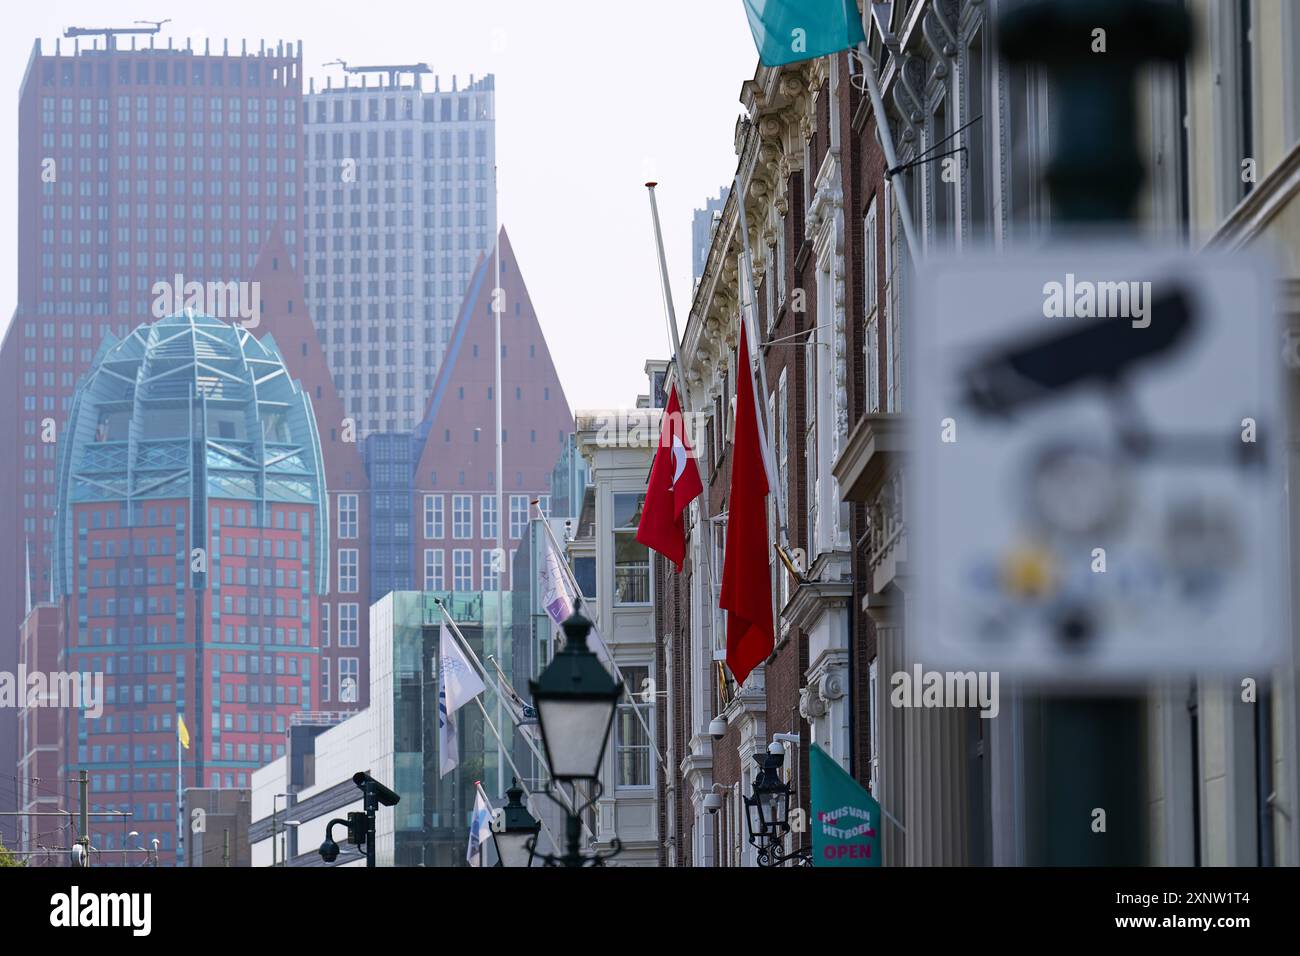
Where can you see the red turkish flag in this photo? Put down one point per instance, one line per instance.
(746, 578)
(674, 484)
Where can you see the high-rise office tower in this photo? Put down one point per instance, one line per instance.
(138, 161)
(400, 203)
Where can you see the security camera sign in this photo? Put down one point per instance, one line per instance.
(1097, 445)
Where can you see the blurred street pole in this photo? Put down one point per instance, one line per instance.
(1085, 753)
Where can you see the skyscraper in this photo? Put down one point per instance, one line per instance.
(137, 164)
(190, 561)
(400, 203)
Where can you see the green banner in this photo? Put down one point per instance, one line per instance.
(787, 31)
(845, 818)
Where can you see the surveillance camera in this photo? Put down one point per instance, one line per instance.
(713, 802)
(329, 850)
(718, 728)
(1022, 373)
(385, 796)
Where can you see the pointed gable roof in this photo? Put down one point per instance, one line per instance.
(284, 316)
(535, 414)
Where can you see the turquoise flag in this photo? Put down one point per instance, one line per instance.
(846, 819)
(787, 31)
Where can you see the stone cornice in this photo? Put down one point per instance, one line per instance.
(810, 600)
(872, 447)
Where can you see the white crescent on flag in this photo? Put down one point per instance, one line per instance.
(680, 457)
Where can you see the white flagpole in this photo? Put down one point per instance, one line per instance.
(518, 776)
(705, 523)
(500, 557)
(456, 632)
(618, 674)
(180, 828)
(886, 136)
(766, 433)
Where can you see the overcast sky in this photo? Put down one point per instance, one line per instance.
(594, 97)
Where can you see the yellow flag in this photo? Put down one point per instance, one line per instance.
(182, 733)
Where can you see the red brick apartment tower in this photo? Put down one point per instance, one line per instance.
(455, 481)
(135, 163)
(188, 559)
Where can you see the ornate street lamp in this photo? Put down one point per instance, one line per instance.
(576, 699)
(767, 812)
(514, 840)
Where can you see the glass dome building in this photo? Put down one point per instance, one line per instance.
(190, 553)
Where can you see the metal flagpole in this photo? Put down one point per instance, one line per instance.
(487, 679)
(180, 824)
(750, 320)
(500, 557)
(577, 590)
(887, 139)
(702, 502)
(519, 777)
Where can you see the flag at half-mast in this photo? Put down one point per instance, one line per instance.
(674, 484)
(746, 580)
(480, 826)
(558, 591)
(458, 684)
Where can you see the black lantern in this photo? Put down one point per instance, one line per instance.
(514, 841)
(767, 812)
(575, 699)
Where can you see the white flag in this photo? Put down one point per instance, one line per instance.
(458, 684)
(558, 595)
(557, 598)
(480, 827)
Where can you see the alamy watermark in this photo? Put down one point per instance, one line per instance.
(644, 426)
(1085, 299)
(240, 301)
(921, 688)
(82, 690)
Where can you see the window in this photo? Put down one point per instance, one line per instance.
(631, 743)
(462, 517)
(810, 439)
(349, 634)
(871, 342)
(584, 572)
(433, 517)
(893, 301)
(462, 570)
(544, 505)
(324, 624)
(873, 722)
(347, 516)
(349, 673)
(631, 557)
(348, 570)
(434, 579)
(783, 466)
(518, 515)
(488, 571)
(325, 680)
(488, 516)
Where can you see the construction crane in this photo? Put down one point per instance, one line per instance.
(151, 26)
(415, 69)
